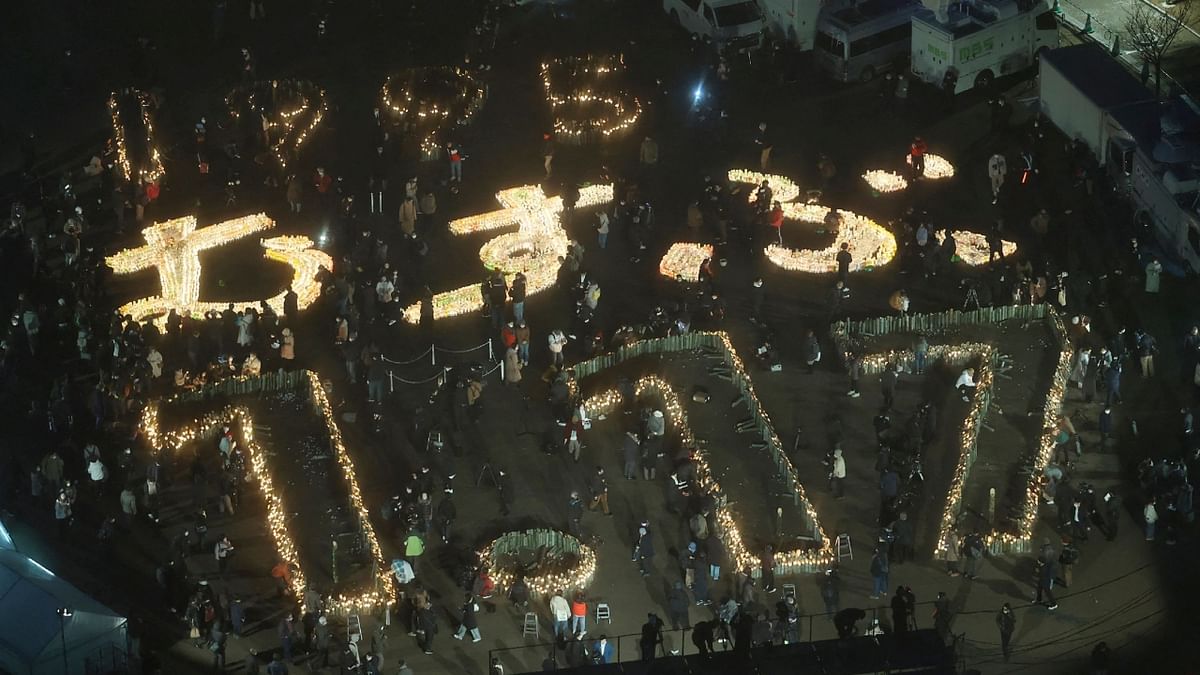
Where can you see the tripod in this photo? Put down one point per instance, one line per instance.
(487, 472)
(971, 299)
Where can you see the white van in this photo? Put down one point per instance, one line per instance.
(980, 40)
(731, 24)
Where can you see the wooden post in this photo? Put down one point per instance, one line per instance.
(991, 509)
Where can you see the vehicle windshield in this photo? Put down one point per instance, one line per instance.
(828, 43)
(736, 15)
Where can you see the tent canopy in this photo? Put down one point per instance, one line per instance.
(31, 631)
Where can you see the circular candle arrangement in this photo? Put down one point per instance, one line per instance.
(587, 102)
(871, 244)
(432, 101)
(972, 248)
(293, 110)
(884, 182)
(683, 259)
(559, 561)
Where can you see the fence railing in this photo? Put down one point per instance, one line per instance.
(280, 380)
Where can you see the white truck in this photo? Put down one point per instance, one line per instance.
(977, 41)
(793, 20)
(731, 24)
(1147, 148)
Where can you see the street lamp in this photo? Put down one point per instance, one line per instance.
(64, 613)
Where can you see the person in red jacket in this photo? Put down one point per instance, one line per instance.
(775, 220)
(917, 152)
(322, 181)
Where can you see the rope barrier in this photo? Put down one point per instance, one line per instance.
(433, 350)
(487, 343)
(409, 362)
(393, 378)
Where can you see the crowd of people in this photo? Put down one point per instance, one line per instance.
(83, 374)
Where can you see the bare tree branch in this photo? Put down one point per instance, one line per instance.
(1152, 32)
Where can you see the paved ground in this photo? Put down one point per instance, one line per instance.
(1128, 592)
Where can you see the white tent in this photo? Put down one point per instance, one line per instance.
(33, 635)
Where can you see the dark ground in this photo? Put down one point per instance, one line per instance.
(1128, 592)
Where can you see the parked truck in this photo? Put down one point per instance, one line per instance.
(731, 24)
(794, 21)
(971, 43)
(1150, 150)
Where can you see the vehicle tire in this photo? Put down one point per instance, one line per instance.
(867, 74)
(675, 17)
(984, 79)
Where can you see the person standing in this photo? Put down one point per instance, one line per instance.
(575, 515)
(222, 551)
(920, 354)
(1006, 621)
(512, 366)
(1153, 275)
(812, 351)
(427, 628)
(837, 474)
(854, 372)
(1112, 381)
(643, 548)
(630, 452)
(973, 549)
(887, 384)
(1046, 576)
(547, 153)
(843, 262)
(900, 616)
(879, 574)
(288, 635)
(517, 293)
(764, 144)
(951, 553)
(454, 156)
(997, 171)
(62, 514)
(469, 622)
(917, 150)
(1146, 347)
(560, 611)
(942, 616)
(677, 606)
(216, 645)
(556, 341)
(598, 486)
(579, 609)
(1150, 515)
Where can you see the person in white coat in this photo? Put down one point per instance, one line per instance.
(837, 474)
(997, 171)
(1153, 275)
(155, 359)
